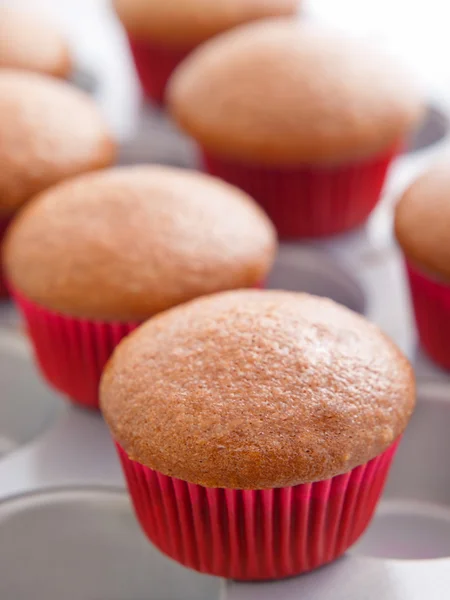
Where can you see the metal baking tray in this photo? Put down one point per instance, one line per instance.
(67, 531)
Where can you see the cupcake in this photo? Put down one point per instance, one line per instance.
(256, 429)
(305, 121)
(48, 131)
(162, 33)
(93, 257)
(422, 226)
(32, 44)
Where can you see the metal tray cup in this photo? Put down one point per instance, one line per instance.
(432, 131)
(85, 544)
(9, 317)
(27, 406)
(85, 80)
(300, 268)
(158, 141)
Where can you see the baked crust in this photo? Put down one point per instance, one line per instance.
(31, 43)
(281, 92)
(125, 243)
(49, 131)
(257, 389)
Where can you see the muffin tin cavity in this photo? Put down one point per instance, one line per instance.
(426, 369)
(85, 543)
(413, 519)
(302, 269)
(85, 80)
(27, 406)
(9, 317)
(158, 141)
(434, 128)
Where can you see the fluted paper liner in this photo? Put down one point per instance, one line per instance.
(309, 201)
(71, 353)
(256, 534)
(431, 301)
(154, 65)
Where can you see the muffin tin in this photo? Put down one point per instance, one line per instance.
(64, 512)
(66, 524)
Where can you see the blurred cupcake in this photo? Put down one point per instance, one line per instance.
(48, 131)
(162, 33)
(32, 44)
(422, 227)
(256, 429)
(305, 121)
(90, 259)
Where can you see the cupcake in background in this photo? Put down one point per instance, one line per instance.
(422, 227)
(256, 429)
(162, 33)
(305, 121)
(31, 43)
(48, 131)
(93, 257)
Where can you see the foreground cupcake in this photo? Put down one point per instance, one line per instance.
(162, 33)
(305, 121)
(48, 131)
(90, 259)
(256, 429)
(422, 226)
(31, 43)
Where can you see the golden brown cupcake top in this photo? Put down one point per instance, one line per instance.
(27, 42)
(257, 389)
(281, 92)
(422, 221)
(186, 23)
(126, 243)
(48, 131)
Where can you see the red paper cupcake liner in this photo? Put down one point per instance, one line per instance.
(311, 201)
(70, 352)
(154, 65)
(431, 301)
(4, 222)
(255, 535)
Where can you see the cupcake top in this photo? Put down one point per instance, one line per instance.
(282, 92)
(48, 131)
(27, 42)
(256, 389)
(126, 243)
(422, 221)
(186, 23)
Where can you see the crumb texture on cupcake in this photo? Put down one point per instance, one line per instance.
(190, 22)
(126, 243)
(48, 131)
(257, 389)
(29, 42)
(281, 92)
(422, 221)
